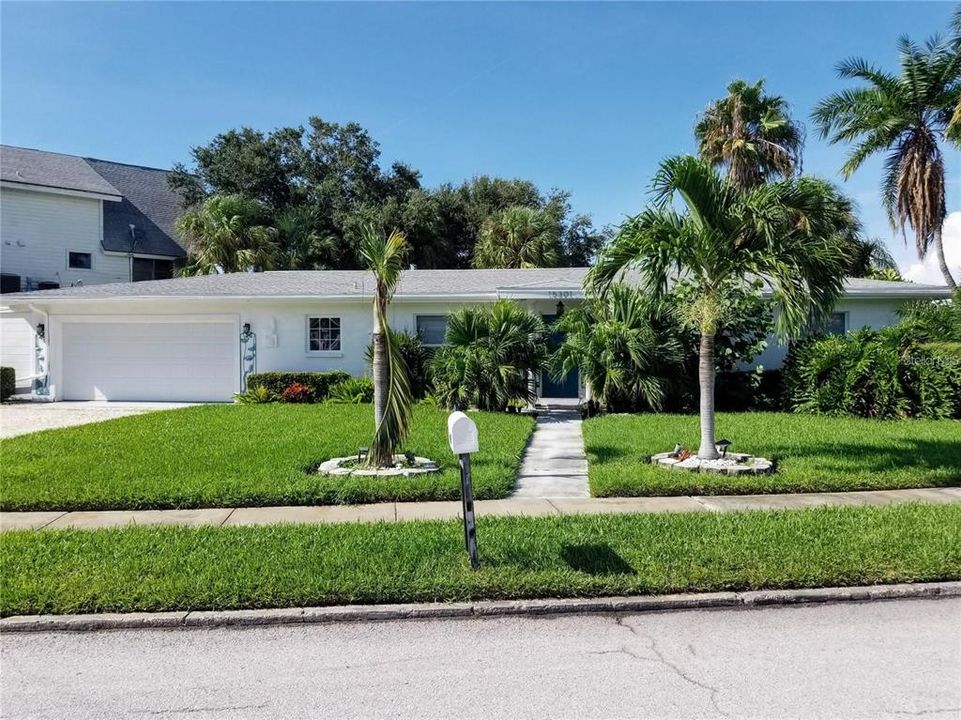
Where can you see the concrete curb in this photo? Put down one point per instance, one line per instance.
(492, 608)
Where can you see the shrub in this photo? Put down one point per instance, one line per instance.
(318, 382)
(353, 391)
(417, 358)
(878, 374)
(488, 355)
(758, 389)
(255, 396)
(8, 382)
(297, 393)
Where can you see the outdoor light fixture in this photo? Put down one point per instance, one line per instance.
(246, 331)
(41, 330)
(560, 309)
(362, 453)
(722, 446)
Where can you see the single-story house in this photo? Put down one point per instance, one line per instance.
(196, 338)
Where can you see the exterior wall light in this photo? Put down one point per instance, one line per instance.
(722, 446)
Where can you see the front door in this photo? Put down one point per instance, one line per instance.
(568, 386)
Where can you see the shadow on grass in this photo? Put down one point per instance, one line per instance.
(598, 559)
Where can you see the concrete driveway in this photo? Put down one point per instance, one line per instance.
(20, 418)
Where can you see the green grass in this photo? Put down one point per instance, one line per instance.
(232, 455)
(169, 568)
(813, 454)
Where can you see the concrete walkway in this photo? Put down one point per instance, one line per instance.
(526, 507)
(554, 464)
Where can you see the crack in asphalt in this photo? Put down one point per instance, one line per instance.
(932, 711)
(659, 658)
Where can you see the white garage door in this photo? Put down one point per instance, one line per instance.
(17, 347)
(149, 360)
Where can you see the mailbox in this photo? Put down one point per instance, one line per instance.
(461, 434)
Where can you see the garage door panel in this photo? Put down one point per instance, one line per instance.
(144, 360)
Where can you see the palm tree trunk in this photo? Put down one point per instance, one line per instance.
(381, 381)
(705, 376)
(942, 263)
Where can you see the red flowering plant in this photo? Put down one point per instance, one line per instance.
(297, 393)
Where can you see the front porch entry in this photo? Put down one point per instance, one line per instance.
(569, 385)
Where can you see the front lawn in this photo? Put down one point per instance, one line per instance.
(813, 454)
(235, 455)
(171, 568)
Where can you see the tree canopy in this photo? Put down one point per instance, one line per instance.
(323, 184)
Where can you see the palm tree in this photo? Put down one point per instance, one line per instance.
(751, 134)
(302, 246)
(519, 237)
(384, 257)
(624, 354)
(904, 116)
(228, 233)
(489, 357)
(870, 258)
(786, 233)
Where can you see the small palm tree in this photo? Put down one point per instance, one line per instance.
(751, 134)
(785, 233)
(626, 357)
(384, 255)
(489, 357)
(519, 237)
(228, 233)
(905, 116)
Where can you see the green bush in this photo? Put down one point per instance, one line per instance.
(886, 373)
(353, 391)
(417, 358)
(257, 395)
(319, 383)
(8, 382)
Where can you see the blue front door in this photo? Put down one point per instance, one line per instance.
(568, 386)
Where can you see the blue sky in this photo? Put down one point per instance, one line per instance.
(585, 97)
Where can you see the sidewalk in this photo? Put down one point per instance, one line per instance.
(526, 507)
(554, 464)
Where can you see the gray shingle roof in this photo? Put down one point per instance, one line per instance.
(148, 204)
(52, 170)
(413, 284)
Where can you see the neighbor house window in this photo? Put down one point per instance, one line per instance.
(150, 269)
(323, 334)
(431, 329)
(79, 260)
(836, 324)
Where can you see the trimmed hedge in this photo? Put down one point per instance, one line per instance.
(8, 382)
(319, 383)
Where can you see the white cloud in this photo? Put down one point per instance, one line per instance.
(927, 271)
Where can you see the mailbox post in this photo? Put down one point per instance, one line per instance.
(462, 436)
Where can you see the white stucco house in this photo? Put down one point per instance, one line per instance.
(194, 339)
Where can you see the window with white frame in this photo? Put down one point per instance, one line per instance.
(431, 329)
(323, 334)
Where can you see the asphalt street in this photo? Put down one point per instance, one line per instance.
(893, 659)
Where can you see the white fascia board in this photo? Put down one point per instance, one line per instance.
(59, 191)
(565, 293)
(145, 256)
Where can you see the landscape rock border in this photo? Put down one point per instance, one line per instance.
(421, 611)
(729, 464)
(422, 466)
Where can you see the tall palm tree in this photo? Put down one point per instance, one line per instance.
(519, 237)
(785, 233)
(905, 116)
(624, 356)
(751, 135)
(384, 255)
(228, 233)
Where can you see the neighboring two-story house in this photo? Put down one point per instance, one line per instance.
(68, 221)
